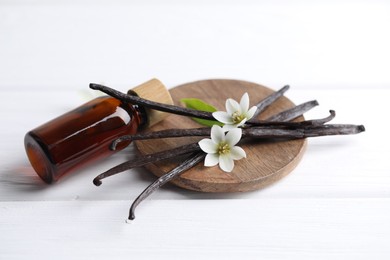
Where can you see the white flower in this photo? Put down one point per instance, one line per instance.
(221, 148)
(236, 114)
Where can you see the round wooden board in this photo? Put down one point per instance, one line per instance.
(266, 161)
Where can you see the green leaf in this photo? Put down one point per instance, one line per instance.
(200, 105)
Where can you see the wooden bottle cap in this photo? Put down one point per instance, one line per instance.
(266, 161)
(154, 90)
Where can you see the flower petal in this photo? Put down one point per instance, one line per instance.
(227, 127)
(223, 117)
(217, 134)
(251, 112)
(232, 106)
(237, 153)
(211, 159)
(244, 102)
(226, 163)
(233, 136)
(242, 122)
(208, 146)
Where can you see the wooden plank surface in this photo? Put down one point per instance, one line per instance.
(334, 205)
(197, 229)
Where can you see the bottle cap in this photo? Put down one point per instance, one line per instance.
(154, 90)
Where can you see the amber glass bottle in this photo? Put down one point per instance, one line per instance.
(84, 134)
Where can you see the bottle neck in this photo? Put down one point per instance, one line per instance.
(142, 112)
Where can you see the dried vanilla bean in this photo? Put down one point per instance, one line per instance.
(167, 133)
(205, 131)
(303, 132)
(259, 132)
(180, 110)
(151, 104)
(288, 124)
(292, 113)
(267, 127)
(267, 133)
(146, 159)
(178, 132)
(334, 129)
(323, 120)
(263, 104)
(193, 160)
(262, 132)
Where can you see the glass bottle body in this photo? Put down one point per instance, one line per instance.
(81, 136)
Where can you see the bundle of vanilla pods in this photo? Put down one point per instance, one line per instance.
(276, 127)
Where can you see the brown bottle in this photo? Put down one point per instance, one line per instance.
(84, 134)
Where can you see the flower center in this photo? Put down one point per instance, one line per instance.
(223, 148)
(237, 117)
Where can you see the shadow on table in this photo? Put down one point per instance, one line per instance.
(22, 177)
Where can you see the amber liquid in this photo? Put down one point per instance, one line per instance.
(81, 136)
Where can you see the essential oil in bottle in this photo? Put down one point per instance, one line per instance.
(83, 135)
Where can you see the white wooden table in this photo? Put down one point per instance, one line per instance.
(334, 205)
